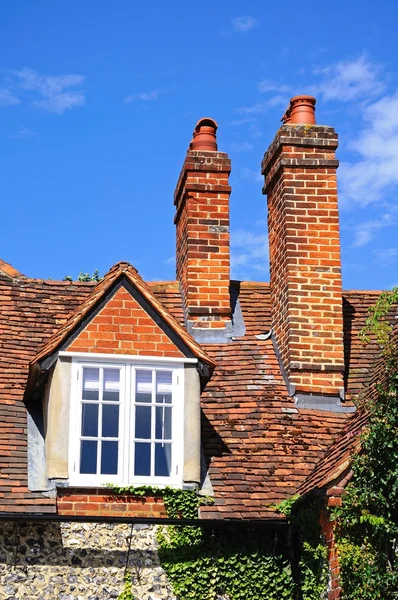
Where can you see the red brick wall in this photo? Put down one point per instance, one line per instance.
(303, 224)
(123, 327)
(202, 222)
(92, 502)
(328, 529)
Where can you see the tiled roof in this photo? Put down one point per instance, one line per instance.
(359, 357)
(9, 270)
(30, 312)
(258, 447)
(338, 458)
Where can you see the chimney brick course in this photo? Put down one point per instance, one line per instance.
(300, 182)
(202, 222)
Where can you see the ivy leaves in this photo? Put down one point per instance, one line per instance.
(367, 521)
(238, 563)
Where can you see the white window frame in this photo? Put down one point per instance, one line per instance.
(128, 366)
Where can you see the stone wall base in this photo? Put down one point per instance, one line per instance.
(78, 561)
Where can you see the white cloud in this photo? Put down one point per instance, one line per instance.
(244, 121)
(366, 231)
(22, 133)
(54, 92)
(253, 175)
(243, 24)
(144, 96)
(356, 79)
(249, 254)
(267, 85)
(348, 80)
(385, 256)
(8, 98)
(240, 147)
(375, 173)
(263, 106)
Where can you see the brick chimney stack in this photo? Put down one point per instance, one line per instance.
(300, 181)
(202, 221)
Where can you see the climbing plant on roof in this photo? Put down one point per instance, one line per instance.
(85, 277)
(367, 521)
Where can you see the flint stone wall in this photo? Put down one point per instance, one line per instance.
(78, 561)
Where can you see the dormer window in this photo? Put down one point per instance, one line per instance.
(120, 384)
(126, 423)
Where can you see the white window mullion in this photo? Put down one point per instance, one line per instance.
(175, 425)
(99, 442)
(78, 420)
(153, 422)
(129, 446)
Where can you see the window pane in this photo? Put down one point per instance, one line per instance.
(143, 386)
(109, 452)
(88, 457)
(110, 420)
(163, 423)
(162, 460)
(111, 385)
(143, 422)
(163, 387)
(142, 459)
(90, 420)
(90, 383)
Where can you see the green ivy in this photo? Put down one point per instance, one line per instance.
(85, 277)
(304, 518)
(367, 521)
(127, 593)
(202, 563)
(377, 322)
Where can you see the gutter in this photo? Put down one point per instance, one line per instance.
(266, 524)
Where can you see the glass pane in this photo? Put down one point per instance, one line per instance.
(162, 460)
(142, 459)
(88, 457)
(90, 420)
(90, 383)
(109, 452)
(143, 386)
(111, 385)
(163, 423)
(143, 422)
(163, 387)
(110, 420)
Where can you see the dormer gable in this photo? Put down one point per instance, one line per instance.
(122, 316)
(123, 326)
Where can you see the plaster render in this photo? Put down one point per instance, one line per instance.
(56, 418)
(192, 425)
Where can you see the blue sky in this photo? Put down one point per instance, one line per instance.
(98, 101)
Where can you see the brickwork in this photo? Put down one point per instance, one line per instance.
(100, 502)
(328, 529)
(202, 222)
(300, 181)
(123, 327)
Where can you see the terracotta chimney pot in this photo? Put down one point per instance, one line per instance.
(302, 110)
(204, 135)
(286, 117)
